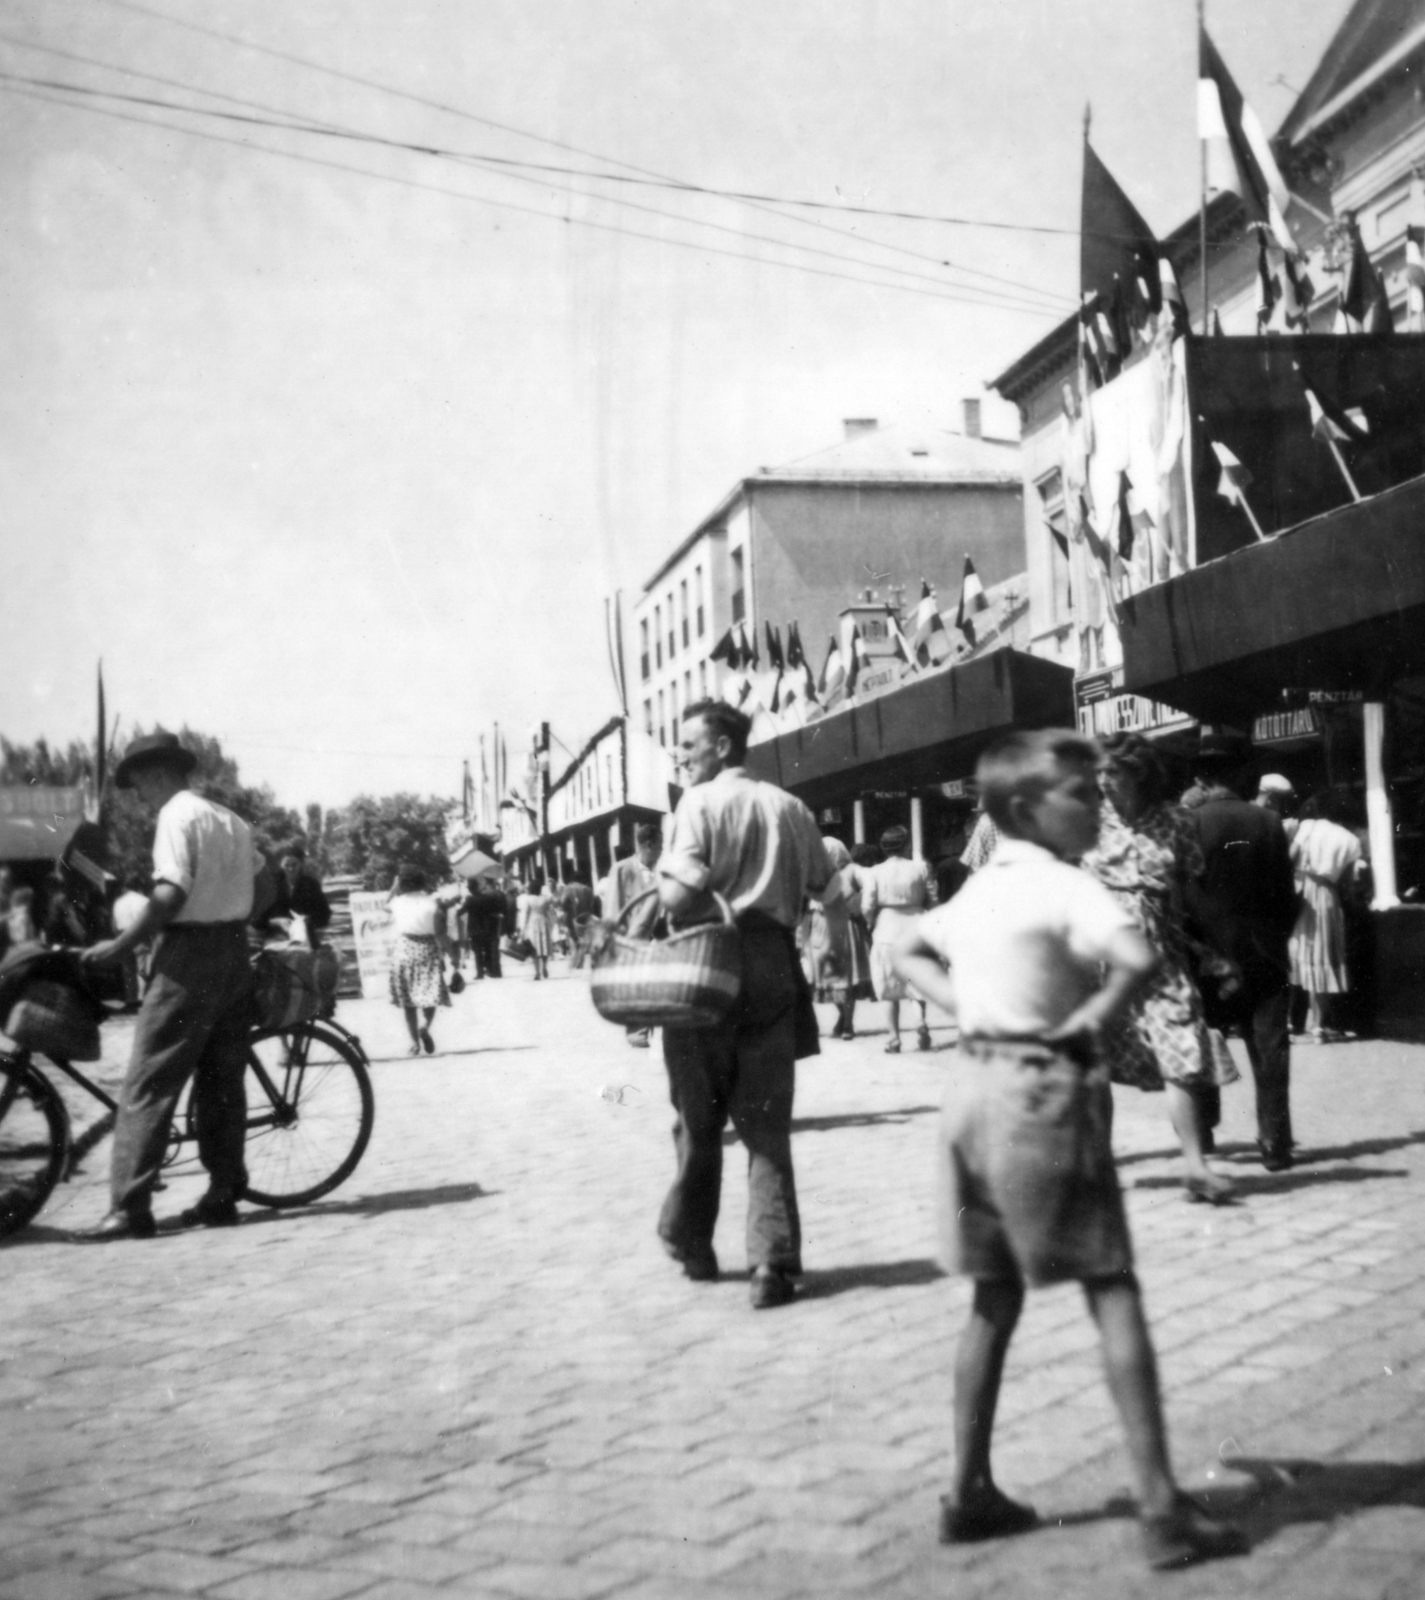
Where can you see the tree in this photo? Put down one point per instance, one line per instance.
(373, 836)
(37, 763)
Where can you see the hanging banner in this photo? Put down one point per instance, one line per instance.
(374, 934)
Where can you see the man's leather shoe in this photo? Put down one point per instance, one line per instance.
(1278, 1160)
(991, 1515)
(124, 1225)
(771, 1287)
(210, 1213)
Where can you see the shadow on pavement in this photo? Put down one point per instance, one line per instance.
(374, 1205)
(1284, 1182)
(877, 1275)
(860, 1119)
(406, 1058)
(1288, 1490)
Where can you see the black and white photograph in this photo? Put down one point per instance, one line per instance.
(712, 800)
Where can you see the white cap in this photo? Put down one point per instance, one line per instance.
(1274, 783)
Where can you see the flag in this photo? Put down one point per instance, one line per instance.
(751, 656)
(1101, 552)
(1239, 158)
(1125, 518)
(1216, 324)
(1173, 296)
(467, 791)
(833, 672)
(1298, 291)
(1363, 298)
(900, 645)
(775, 657)
(858, 661)
(1093, 356)
(725, 650)
(972, 601)
(1235, 477)
(1147, 293)
(1269, 289)
(932, 644)
(1113, 237)
(101, 747)
(800, 667)
(1323, 427)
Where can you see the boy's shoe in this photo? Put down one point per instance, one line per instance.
(922, 1039)
(135, 1224)
(1210, 1189)
(1186, 1535)
(699, 1265)
(991, 1515)
(770, 1288)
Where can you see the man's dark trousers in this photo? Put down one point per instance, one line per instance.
(745, 1070)
(194, 1022)
(1263, 1011)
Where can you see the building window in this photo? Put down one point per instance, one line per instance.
(687, 688)
(698, 596)
(658, 636)
(648, 718)
(643, 650)
(739, 586)
(702, 680)
(1056, 525)
(672, 628)
(683, 611)
(662, 734)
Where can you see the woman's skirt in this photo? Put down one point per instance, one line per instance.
(1318, 942)
(417, 973)
(891, 926)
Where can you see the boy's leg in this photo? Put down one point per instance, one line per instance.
(1132, 1372)
(979, 1364)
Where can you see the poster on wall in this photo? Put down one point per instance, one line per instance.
(374, 933)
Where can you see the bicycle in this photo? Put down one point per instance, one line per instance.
(310, 1112)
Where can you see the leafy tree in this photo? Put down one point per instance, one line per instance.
(37, 763)
(373, 837)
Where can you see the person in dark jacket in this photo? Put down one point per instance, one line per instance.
(300, 894)
(1244, 908)
(486, 916)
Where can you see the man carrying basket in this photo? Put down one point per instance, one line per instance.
(759, 848)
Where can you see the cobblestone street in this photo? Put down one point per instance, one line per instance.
(471, 1370)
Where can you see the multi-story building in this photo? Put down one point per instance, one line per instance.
(887, 508)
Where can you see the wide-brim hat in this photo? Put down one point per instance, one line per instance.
(156, 749)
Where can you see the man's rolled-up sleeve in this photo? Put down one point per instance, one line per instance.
(687, 858)
(174, 854)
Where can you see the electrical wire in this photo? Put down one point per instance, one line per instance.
(641, 174)
(252, 119)
(313, 125)
(508, 205)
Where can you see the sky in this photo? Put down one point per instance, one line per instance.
(341, 466)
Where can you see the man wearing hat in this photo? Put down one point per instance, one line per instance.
(1245, 907)
(208, 879)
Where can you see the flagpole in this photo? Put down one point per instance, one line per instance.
(1345, 470)
(1202, 178)
(1252, 517)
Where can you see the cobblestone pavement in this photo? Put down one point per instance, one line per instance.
(471, 1371)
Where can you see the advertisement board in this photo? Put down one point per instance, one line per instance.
(374, 935)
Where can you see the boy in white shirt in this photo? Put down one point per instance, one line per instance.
(1030, 1193)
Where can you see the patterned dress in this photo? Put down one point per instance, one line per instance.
(1324, 855)
(1163, 1034)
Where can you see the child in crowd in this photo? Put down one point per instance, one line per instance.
(1039, 958)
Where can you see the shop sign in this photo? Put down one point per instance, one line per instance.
(1281, 727)
(959, 789)
(1103, 708)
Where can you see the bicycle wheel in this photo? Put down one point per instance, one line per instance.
(310, 1111)
(34, 1141)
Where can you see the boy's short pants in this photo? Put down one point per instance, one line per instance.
(1028, 1186)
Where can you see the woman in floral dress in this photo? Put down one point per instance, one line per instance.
(417, 971)
(1147, 850)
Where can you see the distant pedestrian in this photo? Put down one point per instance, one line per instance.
(300, 894)
(536, 923)
(1244, 907)
(636, 875)
(1327, 859)
(1276, 793)
(892, 896)
(485, 920)
(1147, 852)
(757, 847)
(417, 967)
(1035, 958)
(837, 949)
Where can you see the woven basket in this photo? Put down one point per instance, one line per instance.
(56, 1020)
(688, 980)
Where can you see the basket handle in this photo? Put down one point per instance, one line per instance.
(638, 900)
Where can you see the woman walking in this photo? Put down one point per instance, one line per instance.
(892, 896)
(1327, 857)
(837, 948)
(1147, 849)
(536, 923)
(417, 971)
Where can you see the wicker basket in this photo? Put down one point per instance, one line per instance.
(55, 1020)
(691, 979)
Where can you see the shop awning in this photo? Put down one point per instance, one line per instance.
(929, 730)
(1335, 604)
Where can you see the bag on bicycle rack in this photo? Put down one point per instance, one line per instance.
(689, 980)
(293, 985)
(56, 1019)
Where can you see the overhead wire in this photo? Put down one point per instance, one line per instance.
(69, 103)
(318, 126)
(989, 297)
(639, 174)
